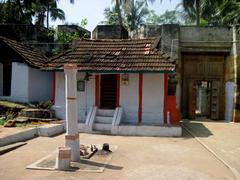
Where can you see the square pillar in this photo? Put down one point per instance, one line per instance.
(72, 134)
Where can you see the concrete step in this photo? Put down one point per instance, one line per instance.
(104, 119)
(102, 127)
(105, 112)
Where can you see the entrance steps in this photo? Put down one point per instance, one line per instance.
(103, 120)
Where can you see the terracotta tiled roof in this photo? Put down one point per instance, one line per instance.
(31, 55)
(123, 55)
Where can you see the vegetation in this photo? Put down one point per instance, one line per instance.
(65, 39)
(24, 11)
(200, 12)
(2, 121)
(169, 17)
(133, 13)
(212, 12)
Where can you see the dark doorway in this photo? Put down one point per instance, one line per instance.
(108, 91)
(203, 99)
(7, 78)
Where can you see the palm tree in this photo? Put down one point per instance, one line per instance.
(135, 12)
(45, 9)
(111, 16)
(119, 3)
(230, 12)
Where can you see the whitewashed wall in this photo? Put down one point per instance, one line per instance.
(40, 85)
(1, 79)
(60, 95)
(29, 84)
(19, 84)
(153, 98)
(85, 99)
(129, 99)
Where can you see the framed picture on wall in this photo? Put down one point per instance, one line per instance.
(80, 85)
(125, 79)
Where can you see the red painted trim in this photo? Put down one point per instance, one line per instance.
(71, 98)
(53, 87)
(140, 91)
(165, 97)
(118, 91)
(97, 90)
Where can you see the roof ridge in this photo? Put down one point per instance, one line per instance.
(116, 40)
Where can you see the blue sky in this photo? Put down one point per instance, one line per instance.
(93, 10)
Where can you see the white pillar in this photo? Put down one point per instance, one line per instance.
(72, 135)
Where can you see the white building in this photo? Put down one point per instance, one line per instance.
(122, 87)
(21, 80)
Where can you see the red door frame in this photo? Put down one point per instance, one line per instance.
(97, 90)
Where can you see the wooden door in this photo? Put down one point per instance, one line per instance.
(191, 99)
(108, 91)
(215, 95)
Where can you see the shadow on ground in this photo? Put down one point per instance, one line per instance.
(199, 129)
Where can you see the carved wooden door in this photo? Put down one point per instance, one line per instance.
(215, 93)
(191, 99)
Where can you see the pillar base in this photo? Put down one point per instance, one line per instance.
(63, 158)
(72, 141)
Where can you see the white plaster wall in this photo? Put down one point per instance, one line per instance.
(19, 84)
(60, 96)
(153, 98)
(229, 95)
(86, 98)
(1, 79)
(40, 85)
(81, 96)
(129, 99)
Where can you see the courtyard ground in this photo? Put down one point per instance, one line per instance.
(136, 158)
(221, 137)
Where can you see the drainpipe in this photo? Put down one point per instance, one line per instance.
(72, 134)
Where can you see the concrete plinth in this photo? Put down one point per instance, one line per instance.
(63, 158)
(72, 135)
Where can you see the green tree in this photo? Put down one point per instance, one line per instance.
(12, 12)
(133, 14)
(118, 7)
(23, 11)
(65, 39)
(229, 11)
(111, 16)
(202, 11)
(136, 13)
(45, 9)
(169, 17)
